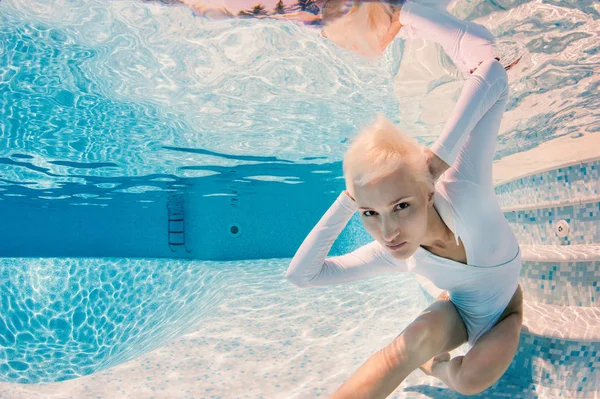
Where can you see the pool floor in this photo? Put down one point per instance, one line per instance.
(269, 339)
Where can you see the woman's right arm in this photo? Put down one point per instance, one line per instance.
(310, 265)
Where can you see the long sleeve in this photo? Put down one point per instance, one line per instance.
(311, 267)
(467, 141)
(477, 115)
(467, 43)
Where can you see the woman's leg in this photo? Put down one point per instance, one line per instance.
(489, 358)
(438, 329)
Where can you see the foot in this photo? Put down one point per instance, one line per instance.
(427, 368)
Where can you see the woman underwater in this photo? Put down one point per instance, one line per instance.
(430, 211)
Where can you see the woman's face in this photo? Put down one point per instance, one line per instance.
(394, 211)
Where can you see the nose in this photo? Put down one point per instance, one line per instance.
(389, 230)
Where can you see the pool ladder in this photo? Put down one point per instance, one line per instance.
(176, 222)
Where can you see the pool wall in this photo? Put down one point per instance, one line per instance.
(195, 220)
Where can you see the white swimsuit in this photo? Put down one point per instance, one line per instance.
(465, 200)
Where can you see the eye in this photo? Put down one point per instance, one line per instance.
(402, 205)
(369, 213)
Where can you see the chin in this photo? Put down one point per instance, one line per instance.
(402, 253)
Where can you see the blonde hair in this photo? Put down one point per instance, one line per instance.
(361, 30)
(380, 149)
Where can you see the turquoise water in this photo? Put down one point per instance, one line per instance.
(110, 112)
(126, 89)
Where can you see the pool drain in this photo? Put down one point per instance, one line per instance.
(235, 230)
(562, 228)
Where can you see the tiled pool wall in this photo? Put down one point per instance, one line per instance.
(561, 364)
(567, 183)
(562, 283)
(569, 193)
(572, 281)
(538, 226)
(265, 212)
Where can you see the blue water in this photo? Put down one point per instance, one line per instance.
(133, 91)
(111, 112)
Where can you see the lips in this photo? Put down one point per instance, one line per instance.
(397, 246)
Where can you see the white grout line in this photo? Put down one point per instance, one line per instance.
(552, 204)
(561, 253)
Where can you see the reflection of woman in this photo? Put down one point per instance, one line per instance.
(364, 26)
(301, 16)
(310, 15)
(431, 212)
(368, 27)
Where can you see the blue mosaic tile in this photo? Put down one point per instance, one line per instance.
(560, 364)
(537, 226)
(565, 283)
(559, 184)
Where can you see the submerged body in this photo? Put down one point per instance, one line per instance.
(458, 238)
(481, 287)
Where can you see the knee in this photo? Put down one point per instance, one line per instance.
(494, 73)
(421, 340)
(466, 383)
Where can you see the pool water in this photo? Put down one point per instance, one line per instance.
(116, 115)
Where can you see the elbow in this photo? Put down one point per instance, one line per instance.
(298, 281)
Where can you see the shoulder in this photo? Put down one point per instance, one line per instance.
(474, 205)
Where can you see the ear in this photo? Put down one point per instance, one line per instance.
(430, 198)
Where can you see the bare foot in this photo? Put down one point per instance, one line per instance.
(428, 367)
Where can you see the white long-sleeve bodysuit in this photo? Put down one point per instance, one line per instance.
(464, 198)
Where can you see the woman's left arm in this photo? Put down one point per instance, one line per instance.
(468, 139)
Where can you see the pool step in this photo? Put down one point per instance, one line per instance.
(559, 349)
(566, 275)
(556, 223)
(552, 204)
(557, 205)
(568, 182)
